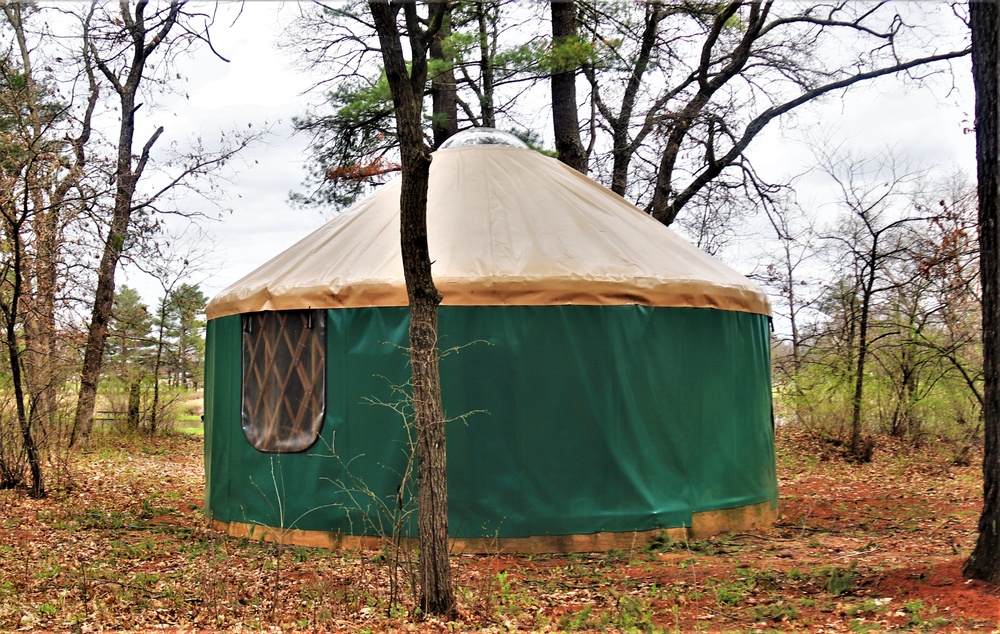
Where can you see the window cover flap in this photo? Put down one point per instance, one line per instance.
(284, 379)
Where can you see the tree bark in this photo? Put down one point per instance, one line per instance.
(867, 289)
(39, 275)
(126, 177)
(154, 412)
(486, 68)
(984, 19)
(42, 375)
(132, 417)
(708, 84)
(623, 148)
(15, 227)
(436, 592)
(444, 95)
(565, 116)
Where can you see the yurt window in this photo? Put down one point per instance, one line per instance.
(284, 379)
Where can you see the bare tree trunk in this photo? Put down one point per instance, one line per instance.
(622, 147)
(867, 289)
(40, 277)
(436, 592)
(565, 115)
(663, 206)
(14, 225)
(132, 417)
(126, 177)
(40, 324)
(444, 95)
(154, 413)
(486, 68)
(984, 18)
(104, 295)
(792, 310)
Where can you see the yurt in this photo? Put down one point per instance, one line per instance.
(606, 382)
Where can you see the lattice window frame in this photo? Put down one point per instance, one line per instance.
(283, 401)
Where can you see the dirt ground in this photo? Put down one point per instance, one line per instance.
(122, 545)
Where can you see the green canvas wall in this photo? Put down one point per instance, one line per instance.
(592, 418)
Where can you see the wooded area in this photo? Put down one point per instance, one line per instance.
(75, 205)
(881, 302)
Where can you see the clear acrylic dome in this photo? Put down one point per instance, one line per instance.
(483, 136)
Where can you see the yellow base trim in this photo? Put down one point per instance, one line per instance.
(703, 525)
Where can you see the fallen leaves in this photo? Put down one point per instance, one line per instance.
(856, 548)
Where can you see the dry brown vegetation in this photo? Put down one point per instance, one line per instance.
(857, 548)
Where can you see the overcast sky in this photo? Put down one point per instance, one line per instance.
(259, 85)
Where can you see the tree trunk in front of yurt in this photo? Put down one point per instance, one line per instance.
(984, 18)
(436, 592)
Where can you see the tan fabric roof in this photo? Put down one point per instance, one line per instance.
(505, 226)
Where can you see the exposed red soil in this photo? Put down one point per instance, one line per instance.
(943, 585)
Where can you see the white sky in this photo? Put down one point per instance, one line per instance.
(260, 86)
(256, 87)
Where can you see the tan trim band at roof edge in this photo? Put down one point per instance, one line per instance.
(686, 294)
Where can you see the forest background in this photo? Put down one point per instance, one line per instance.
(151, 154)
(720, 120)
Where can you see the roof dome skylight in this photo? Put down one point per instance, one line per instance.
(483, 136)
